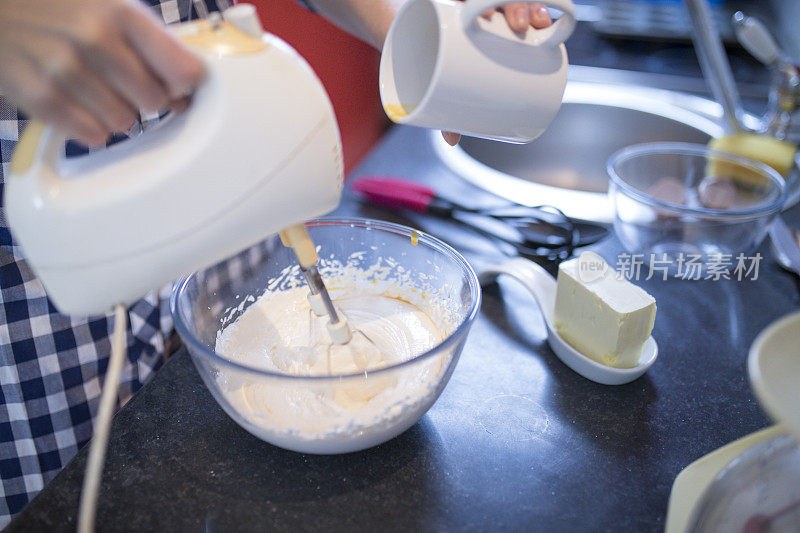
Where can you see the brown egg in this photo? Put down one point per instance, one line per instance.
(670, 190)
(716, 192)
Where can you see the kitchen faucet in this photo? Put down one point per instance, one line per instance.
(784, 95)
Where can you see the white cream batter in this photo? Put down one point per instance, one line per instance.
(279, 333)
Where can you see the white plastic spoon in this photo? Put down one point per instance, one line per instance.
(543, 287)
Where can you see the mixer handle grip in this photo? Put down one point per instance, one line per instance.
(36, 143)
(552, 36)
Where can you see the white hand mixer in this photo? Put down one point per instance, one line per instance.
(257, 151)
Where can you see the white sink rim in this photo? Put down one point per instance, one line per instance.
(699, 113)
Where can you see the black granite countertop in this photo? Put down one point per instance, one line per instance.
(516, 441)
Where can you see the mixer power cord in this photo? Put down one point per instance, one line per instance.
(108, 401)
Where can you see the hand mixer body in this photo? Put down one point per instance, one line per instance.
(257, 151)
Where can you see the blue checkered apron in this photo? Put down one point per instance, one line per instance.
(52, 365)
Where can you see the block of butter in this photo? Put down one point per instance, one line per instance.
(605, 318)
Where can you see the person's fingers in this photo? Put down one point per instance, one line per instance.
(76, 123)
(41, 98)
(93, 94)
(123, 70)
(520, 15)
(66, 115)
(540, 17)
(180, 105)
(451, 138)
(179, 70)
(517, 15)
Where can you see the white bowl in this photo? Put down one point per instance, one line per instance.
(774, 369)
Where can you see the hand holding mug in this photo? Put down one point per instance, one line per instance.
(455, 67)
(519, 16)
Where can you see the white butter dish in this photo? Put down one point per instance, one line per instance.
(543, 287)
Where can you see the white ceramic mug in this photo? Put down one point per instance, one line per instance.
(445, 67)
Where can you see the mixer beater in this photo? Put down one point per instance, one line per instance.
(341, 334)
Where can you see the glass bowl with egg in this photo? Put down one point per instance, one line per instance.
(689, 211)
(267, 358)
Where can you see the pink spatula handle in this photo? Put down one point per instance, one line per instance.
(395, 193)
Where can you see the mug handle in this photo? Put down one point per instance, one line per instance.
(552, 36)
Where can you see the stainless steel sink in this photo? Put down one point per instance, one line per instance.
(566, 166)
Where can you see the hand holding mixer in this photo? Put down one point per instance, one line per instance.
(257, 151)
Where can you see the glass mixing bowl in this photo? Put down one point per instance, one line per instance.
(690, 211)
(304, 413)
